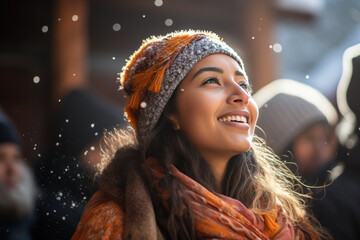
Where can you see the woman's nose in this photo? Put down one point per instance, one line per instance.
(238, 95)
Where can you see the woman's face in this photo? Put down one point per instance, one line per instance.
(214, 107)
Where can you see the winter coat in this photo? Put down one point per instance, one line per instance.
(123, 209)
(337, 205)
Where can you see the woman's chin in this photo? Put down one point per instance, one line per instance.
(240, 150)
(243, 147)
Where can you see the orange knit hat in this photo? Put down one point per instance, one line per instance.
(153, 72)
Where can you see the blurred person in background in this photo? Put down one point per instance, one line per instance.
(67, 173)
(298, 124)
(338, 207)
(18, 191)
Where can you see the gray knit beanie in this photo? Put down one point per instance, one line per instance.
(286, 108)
(154, 71)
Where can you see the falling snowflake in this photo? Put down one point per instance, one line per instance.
(143, 104)
(75, 18)
(169, 22)
(36, 79)
(116, 27)
(45, 29)
(158, 3)
(277, 48)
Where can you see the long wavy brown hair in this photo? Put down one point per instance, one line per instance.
(257, 178)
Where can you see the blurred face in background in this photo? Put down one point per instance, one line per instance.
(17, 186)
(314, 147)
(10, 164)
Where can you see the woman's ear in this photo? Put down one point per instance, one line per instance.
(174, 120)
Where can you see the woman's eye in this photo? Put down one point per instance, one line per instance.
(245, 86)
(212, 80)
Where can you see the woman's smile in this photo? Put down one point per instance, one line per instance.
(237, 119)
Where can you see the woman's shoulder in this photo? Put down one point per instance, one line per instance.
(102, 219)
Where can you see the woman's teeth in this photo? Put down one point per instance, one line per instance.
(233, 118)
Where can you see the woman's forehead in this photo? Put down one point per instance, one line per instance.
(218, 63)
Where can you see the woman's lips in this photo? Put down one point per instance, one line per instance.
(238, 119)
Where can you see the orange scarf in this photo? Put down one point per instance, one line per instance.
(215, 216)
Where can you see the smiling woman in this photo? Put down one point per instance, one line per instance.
(191, 168)
(215, 111)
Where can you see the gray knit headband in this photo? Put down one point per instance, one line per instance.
(152, 108)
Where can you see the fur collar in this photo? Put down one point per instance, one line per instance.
(123, 182)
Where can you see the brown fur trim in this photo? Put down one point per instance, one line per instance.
(140, 221)
(113, 177)
(122, 182)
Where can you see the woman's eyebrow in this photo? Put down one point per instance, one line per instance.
(212, 69)
(238, 73)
